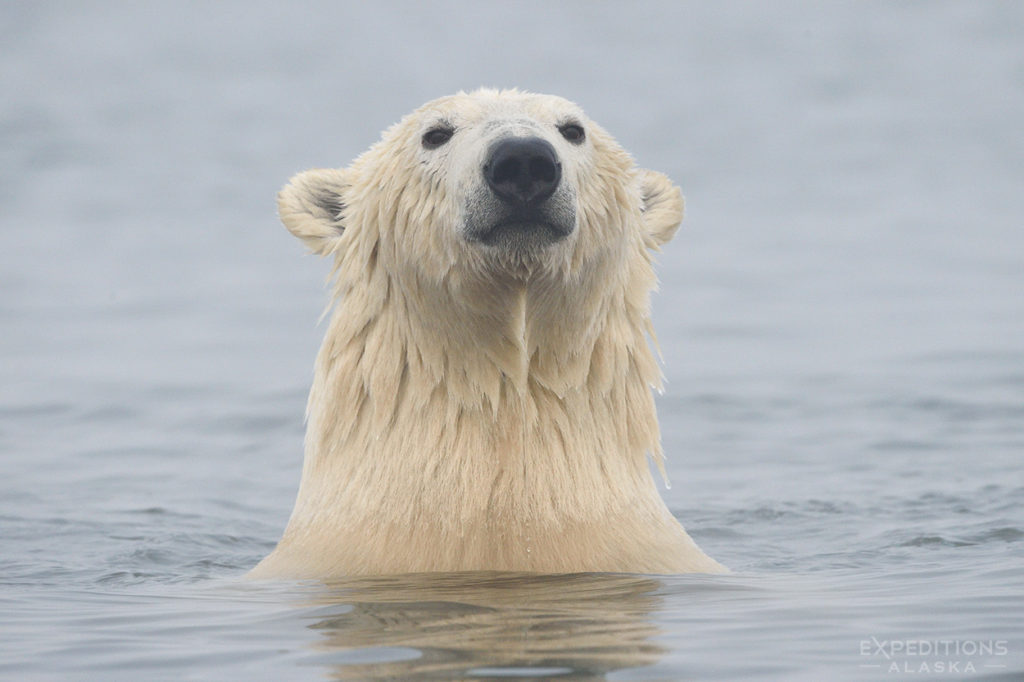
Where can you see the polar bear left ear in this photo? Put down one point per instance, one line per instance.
(312, 207)
(662, 206)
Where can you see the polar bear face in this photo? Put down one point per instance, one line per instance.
(490, 180)
(510, 167)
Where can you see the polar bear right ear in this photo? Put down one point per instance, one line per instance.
(312, 207)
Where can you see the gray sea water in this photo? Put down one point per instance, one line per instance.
(841, 317)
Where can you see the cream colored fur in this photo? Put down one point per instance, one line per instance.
(474, 410)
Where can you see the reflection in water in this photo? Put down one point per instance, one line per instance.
(488, 625)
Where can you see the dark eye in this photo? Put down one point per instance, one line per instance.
(572, 132)
(435, 137)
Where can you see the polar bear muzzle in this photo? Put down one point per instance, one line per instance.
(522, 203)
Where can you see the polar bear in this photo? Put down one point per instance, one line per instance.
(482, 398)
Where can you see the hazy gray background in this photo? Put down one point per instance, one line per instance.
(842, 314)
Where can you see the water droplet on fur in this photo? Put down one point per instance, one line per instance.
(668, 484)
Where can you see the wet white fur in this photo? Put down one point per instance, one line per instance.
(474, 408)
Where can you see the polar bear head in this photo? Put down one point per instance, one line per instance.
(484, 182)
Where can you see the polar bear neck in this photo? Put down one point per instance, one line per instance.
(473, 401)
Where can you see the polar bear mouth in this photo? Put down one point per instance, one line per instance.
(524, 231)
(494, 223)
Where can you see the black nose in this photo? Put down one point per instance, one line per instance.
(523, 170)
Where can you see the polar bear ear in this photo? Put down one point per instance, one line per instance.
(312, 207)
(662, 206)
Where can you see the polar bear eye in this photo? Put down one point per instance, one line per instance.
(435, 137)
(573, 132)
